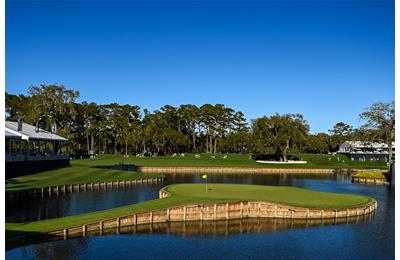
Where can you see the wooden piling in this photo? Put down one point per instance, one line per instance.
(84, 229)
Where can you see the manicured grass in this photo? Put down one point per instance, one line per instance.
(371, 175)
(85, 171)
(195, 193)
(72, 175)
(287, 195)
(319, 161)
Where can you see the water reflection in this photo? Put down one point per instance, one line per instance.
(23, 207)
(203, 228)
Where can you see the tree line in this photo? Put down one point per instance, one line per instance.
(128, 129)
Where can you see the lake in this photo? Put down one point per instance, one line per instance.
(252, 239)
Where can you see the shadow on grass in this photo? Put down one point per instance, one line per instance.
(120, 167)
(13, 181)
(13, 184)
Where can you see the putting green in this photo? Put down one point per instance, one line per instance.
(287, 195)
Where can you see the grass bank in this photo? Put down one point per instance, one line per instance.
(314, 161)
(371, 175)
(73, 175)
(181, 194)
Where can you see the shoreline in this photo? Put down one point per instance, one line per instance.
(88, 186)
(219, 211)
(240, 170)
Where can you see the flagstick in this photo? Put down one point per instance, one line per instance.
(206, 186)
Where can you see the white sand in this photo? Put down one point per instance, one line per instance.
(288, 162)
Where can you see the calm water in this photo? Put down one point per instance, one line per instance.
(372, 238)
(30, 208)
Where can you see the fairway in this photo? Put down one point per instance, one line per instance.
(314, 161)
(87, 170)
(73, 175)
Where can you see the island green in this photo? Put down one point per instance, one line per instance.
(182, 194)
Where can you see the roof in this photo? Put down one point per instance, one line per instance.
(12, 135)
(28, 132)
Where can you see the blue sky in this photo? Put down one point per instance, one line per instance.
(325, 59)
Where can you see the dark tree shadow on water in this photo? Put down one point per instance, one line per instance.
(16, 239)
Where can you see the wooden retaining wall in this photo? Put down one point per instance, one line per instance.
(62, 189)
(216, 211)
(220, 227)
(365, 180)
(236, 170)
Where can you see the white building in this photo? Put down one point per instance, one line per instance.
(28, 149)
(365, 150)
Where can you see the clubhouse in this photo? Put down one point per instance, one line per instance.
(364, 150)
(30, 149)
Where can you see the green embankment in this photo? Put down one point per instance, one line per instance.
(371, 175)
(316, 161)
(181, 194)
(73, 175)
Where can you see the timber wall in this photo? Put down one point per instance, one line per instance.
(221, 227)
(217, 211)
(364, 180)
(235, 170)
(62, 189)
